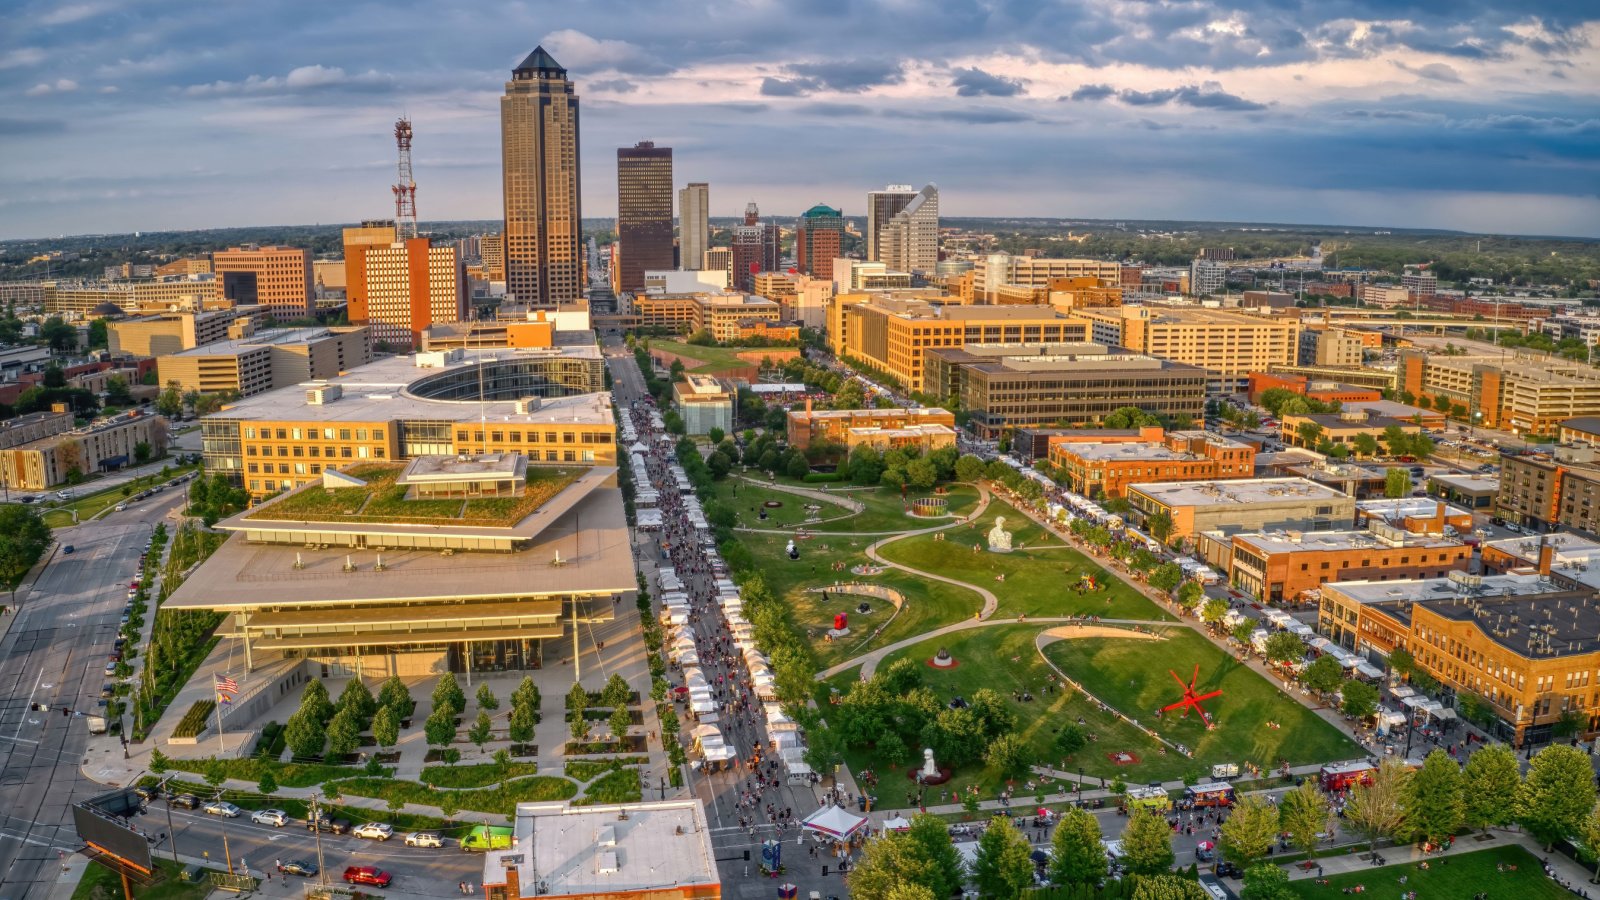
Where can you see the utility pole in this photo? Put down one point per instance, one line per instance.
(172, 836)
(316, 829)
(227, 855)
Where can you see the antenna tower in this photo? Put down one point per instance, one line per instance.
(405, 190)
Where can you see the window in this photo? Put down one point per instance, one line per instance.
(361, 452)
(550, 456)
(344, 434)
(315, 450)
(569, 438)
(361, 434)
(344, 452)
(252, 468)
(250, 432)
(283, 451)
(377, 434)
(569, 456)
(255, 485)
(282, 435)
(269, 484)
(299, 468)
(295, 433)
(299, 450)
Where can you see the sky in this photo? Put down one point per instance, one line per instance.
(123, 115)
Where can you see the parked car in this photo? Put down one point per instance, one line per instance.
(109, 690)
(424, 839)
(376, 831)
(274, 817)
(300, 867)
(68, 548)
(147, 792)
(223, 808)
(187, 801)
(323, 823)
(111, 667)
(370, 875)
(1229, 870)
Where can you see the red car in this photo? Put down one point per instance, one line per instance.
(367, 875)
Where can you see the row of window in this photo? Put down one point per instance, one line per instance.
(312, 434)
(314, 451)
(515, 437)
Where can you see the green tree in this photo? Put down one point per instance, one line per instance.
(1285, 647)
(931, 836)
(1303, 814)
(1160, 525)
(1365, 445)
(921, 474)
(1557, 793)
(1308, 433)
(1190, 593)
(481, 731)
(1378, 810)
(58, 335)
(1434, 806)
(440, 728)
(526, 694)
(1396, 483)
(621, 720)
(1589, 834)
(344, 734)
(1359, 699)
(267, 785)
(1249, 831)
(615, 693)
(169, 402)
(1265, 881)
(969, 468)
(719, 464)
(1147, 843)
(716, 434)
(448, 694)
(1003, 867)
(23, 539)
(1402, 662)
(486, 698)
(304, 735)
(522, 722)
(1008, 756)
(797, 467)
(117, 393)
(358, 700)
(386, 727)
(1077, 856)
(1213, 610)
(1242, 630)
(315, 703)
(1166, 577)
(888, 865)
(159, 762)
(142, 452)
(1489, 787)
(1070, 739)
(395, 695)
(1324, 675)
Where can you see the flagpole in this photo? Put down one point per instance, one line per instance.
(221, 748)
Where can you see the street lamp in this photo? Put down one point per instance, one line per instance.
(1080, 786)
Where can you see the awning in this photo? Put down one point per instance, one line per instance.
(1402, 691)
(833, 822)
(898, 823)
(1442, 713)
(1414, 701)
(1369, 670)
(1323, 644)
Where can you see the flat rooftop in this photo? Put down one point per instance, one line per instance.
(1125, 452)
(491, 466)
(1521, 612)
(1238, 492)
(1426, 589)
(1472, 484)
(908, 431)
(271, 337)
(1577, 556)
(924, 412)
(1275, 542)
(607, 850)
(1417, 507)
(380, 391)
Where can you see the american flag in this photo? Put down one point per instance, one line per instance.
(226, 685)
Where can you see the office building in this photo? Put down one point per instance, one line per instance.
(719, 259)
(817, 240)
(1420, 285)
(922, 439)
(831, 426)
(406, 287)
(1341, 428)
(1229, 345)
(644, 212)
(1104, 470)
(370, 234)
(1281, 567)
(1251, 504)
(704, 403)
(1384, 296)
(853, 275)
(1545, 492)
(1321, 391)
(29, 427)
(909, 240)
(1008, 386)
(544, 254)
(193, 292)
(1517, 393)
(801, 298)
(1416, 515)
(185, 265)
(755, 248)
(492, 252)
(1331, 347)
(882, 206)
(278, 278)
(1207, 277)
(401, 407)
(167, 333)
(1223, 254)
(1476, 492)
(1520, 642)
(894, 336)
(694, 216)
(998, 270)
(652, 851)
(60, 456)
(265, 360)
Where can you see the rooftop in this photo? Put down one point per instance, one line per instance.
(1577, 556)
(485, 467)
(1460, 584)
(1348, 419)
(274, 337)
(1274, 542)
(1585, 424)
(376, 495)
(921, 412)
(1521, 612)
(606, 850)
(1242, 492)
(1414, 507)
(1468, 483)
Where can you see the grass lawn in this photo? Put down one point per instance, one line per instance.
(1039, 573)
(1459, 878)
(884, 511)
(383, 500)
(169, 888)
(1131, 675)
(716, 359)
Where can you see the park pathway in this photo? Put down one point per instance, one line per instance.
(869, 661)
(990, 601)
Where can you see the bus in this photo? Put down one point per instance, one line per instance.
(1204, 795)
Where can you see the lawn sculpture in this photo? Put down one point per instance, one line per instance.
(1190, 698)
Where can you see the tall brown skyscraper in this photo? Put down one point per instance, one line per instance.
(644, 212)
(539, 150)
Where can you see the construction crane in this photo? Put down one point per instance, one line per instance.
(405, 189)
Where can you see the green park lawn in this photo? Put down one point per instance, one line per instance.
(1446, 878)
(883, 513)
(1041, 572)
(715, 359)
(886, 510)
(1132, 676)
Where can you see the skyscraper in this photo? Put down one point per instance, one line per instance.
(755, 248)
(817, 239)
(539, 151)
(409, 286)
(881, 208)
(694, 213)
(909, 240)
(644, 211)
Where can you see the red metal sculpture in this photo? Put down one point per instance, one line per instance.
(1190, 698)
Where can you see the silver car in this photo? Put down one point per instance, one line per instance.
(223, 808)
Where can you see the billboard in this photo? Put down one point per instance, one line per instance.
(107, 823)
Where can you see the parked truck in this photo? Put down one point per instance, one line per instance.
(483, 838)
(97, 724)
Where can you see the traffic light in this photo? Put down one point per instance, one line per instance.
(65, 712)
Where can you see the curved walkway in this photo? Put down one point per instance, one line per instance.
(855, 506)
(1052, 635)
(990, 601)
(869, 661)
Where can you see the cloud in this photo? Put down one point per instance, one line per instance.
(1092, 92)
(615, 86)
(1432, 71)
(789, 87)
(303, 79)
(1208, 95)
(982, 116)
(19, 127)
(59, 86)
(848, 76)
(974, 82)
(72, 12)
(22, 56)
(578, 51)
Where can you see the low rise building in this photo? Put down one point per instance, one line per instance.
(1384, 296)
(1523, 394)
(1323, 391)
(808, 426)
(62, 456)
(168, 333)
(1417, 515)
(1229, 345)
(1281, 567)
(704, 402)
(265, 360)
(1580, 430)
(1570, 559)
(1340, 428)
(1475, 492)
(1359, 481)
(1250, 504)
(922, 438)
(1104, 470)
(651, 851)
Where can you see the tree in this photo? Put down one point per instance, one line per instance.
(267, 785)
(1365, 445)
(1147, 843)
(1569, 723)
(921, 474)
(969, 468)
(159, 762)
(358, 700)
(482, 729)
(719, 464)
(1004, 864)
(1285, 647)
(1077, 856)
(394, 694)
(1324, 675)
(1166, 577)
(315, 703)
(303, 733)
(1396, 483)
(1308, 433)
(440, 729)
(448, 694)
(1359, 699)
(169, 402)
(23, 539)
(621, 720)
(1070, 739)
(1378, 810)
(386, 727)
(1557, 793)
(1160, 525)
(716, 434)
(526, 694)
(889, 864)
(1265, 881)
(797, 467)
(1489, 787)
(1250, 830)
(1007, 755)
(522, 722)
(1590, 835)
(58, 335)
(1304, 814)
(142, 452)
(1434, 806)
(1212, 612)
(1191, 593)
(344, 735)
(1402, 662)
(117, 393)
(931, 836)
(1168, 887)
(615, 693)
(1242, 630)
(486, 698)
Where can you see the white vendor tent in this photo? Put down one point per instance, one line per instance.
(833, 822)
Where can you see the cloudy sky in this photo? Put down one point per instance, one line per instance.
(118, 115)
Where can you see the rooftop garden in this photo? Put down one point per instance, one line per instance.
(382, 501)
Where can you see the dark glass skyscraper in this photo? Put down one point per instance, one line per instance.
(644, 212)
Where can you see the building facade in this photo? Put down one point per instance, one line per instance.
(809, 425)
(817, 240)
(1522, 394)
(1252, 504)
(169, 333)
(997, 270)
(265, 360)
(408, 287)
(1228, 345)
(909, 240)
(694, 216)
(644, 212)
(704, 404)
(1283, 567)
(1105, 470)
(882, 207)
(544, 254)
(63, 456)
(278, 278)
